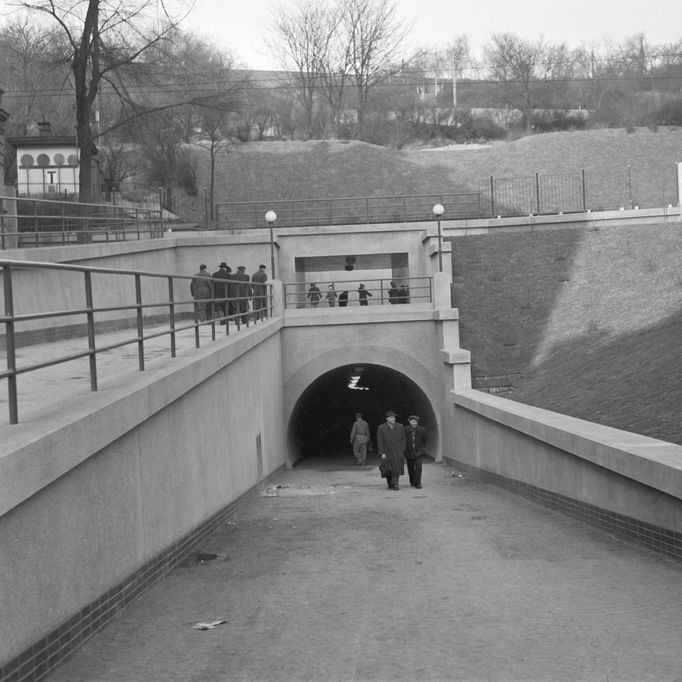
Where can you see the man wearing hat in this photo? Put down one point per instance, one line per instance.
(391, 447)
(220, 291)
(242, 292)
(415, 437)
(259, 291)
(201, 289)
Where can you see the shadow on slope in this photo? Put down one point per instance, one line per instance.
(632, 382)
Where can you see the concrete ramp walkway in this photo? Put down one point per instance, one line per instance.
(328, 575)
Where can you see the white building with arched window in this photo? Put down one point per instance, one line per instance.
(47, 165)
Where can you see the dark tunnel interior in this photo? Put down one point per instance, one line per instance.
(322, 419)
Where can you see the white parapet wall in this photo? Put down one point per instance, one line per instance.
(621, 480)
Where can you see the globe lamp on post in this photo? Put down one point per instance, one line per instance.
(270, 218)
(438, 211)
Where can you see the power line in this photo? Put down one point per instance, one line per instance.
(206, 89)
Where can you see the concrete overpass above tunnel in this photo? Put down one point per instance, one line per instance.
(405, 358)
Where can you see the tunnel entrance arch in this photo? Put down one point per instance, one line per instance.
(322, 418)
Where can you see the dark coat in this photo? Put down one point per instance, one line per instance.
(415, 441)
(391, 442)
(220, 289)
(201, 286)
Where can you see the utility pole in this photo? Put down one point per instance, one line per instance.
(454, 81)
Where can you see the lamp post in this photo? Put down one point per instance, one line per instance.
(270, 218)
(438, 211)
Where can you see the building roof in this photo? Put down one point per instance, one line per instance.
(42, 141)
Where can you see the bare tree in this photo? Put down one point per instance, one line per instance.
(375, 36)
(31, 77)
(526, 71)
(101, 38)
(302, 42)
(214, 109)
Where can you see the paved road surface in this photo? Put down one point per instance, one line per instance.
(334, 577)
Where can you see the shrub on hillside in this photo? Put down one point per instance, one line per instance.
(463, 128)
(556, 121)
(668, 114)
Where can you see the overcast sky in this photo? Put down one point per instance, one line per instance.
(240, 25)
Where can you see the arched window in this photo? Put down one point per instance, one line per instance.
(59, 159)
(27, 160)
(43, 160)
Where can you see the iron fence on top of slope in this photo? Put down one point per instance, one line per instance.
(643, 186)
(235, 215)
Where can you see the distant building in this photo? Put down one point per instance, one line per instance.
(48, 165)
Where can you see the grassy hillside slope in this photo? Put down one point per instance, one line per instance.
(583, 322)
(262, 171)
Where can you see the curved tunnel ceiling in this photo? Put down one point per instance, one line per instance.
(322, 419)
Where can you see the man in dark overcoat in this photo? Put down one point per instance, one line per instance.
(391, 447)
(201, 289)
(258, 280)
(415, 437)
(242, 290)
(220, 291)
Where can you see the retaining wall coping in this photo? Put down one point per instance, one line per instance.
(652, 462)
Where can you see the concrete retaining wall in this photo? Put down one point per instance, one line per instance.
(627, 482)
(86, 505)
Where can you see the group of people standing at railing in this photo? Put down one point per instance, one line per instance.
(225, 293)
(396, 294)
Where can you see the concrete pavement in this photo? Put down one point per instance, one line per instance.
(330, 576)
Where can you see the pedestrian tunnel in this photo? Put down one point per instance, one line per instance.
(322, 418)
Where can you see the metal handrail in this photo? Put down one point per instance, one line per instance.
(27, 221)
(347, 210)
(228, 317)
(419, 290)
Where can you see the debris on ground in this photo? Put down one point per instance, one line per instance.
(454, 474)
(208, 626)
(272, 490)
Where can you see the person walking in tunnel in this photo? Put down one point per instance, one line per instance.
(359, 437)
(391, 447)
(415, 440)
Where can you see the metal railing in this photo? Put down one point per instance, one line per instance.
(27, 222)
(347, 210)
(228, 310)
(379, 292)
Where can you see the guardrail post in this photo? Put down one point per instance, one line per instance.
(492, 197)
(10, 346)
(171, 316)
(537, 192)
(140, 325)
(90, 316)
